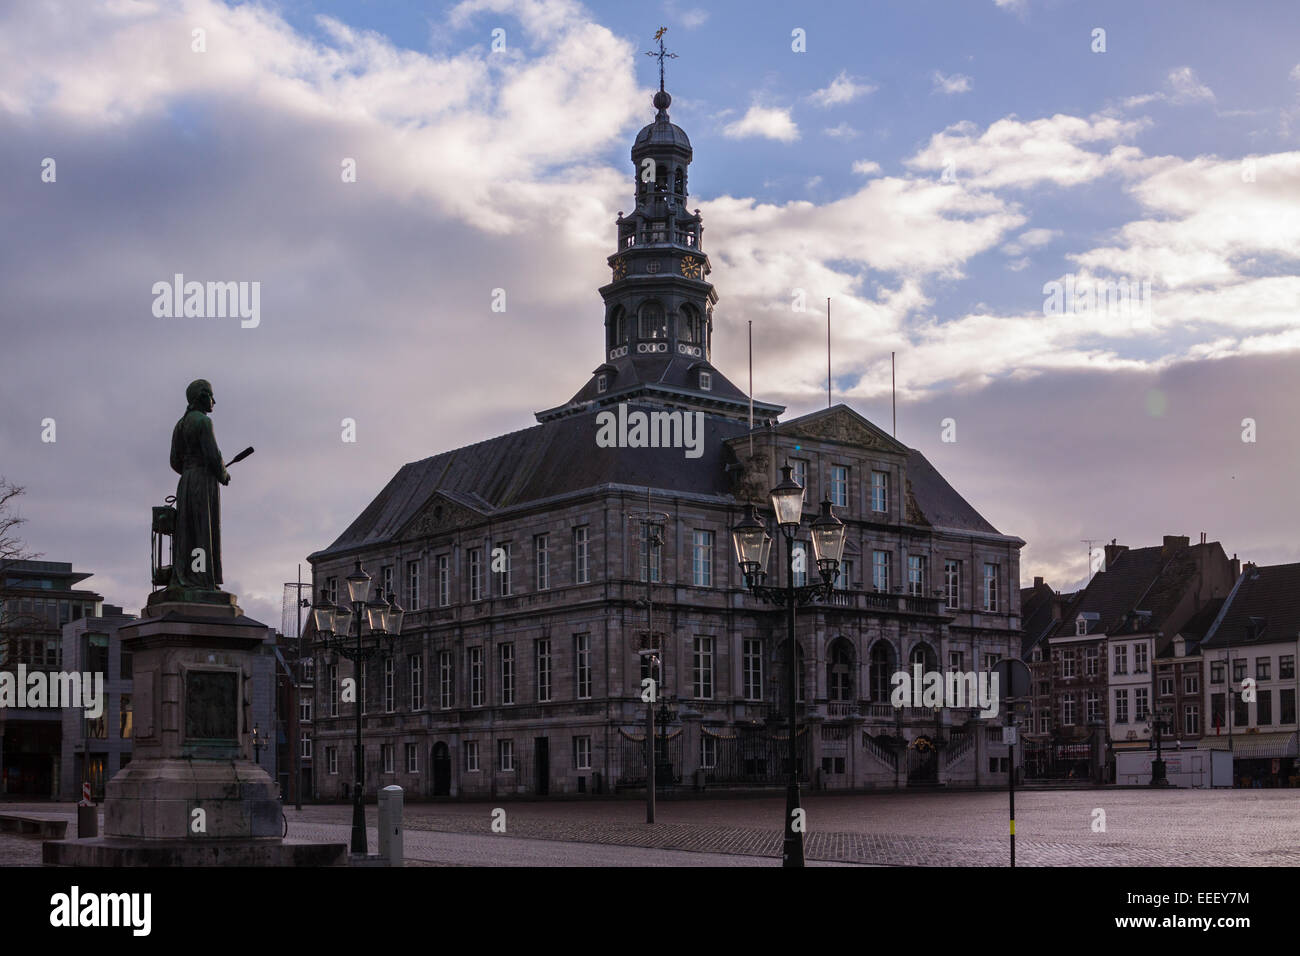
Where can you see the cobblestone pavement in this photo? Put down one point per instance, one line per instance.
(1053, 828)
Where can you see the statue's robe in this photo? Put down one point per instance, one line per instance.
(196, 458)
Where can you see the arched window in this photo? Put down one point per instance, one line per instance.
(688, 325)
(679, 182)
(839, 675)
(924, 655)
(882, 669)
(617, 326)
(652, 321)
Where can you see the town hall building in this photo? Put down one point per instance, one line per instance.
(524, 567)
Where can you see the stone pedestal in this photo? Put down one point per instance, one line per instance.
(192, 793)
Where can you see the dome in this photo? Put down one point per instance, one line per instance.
(662, 133)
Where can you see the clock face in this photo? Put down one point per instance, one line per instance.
(692, 268)
(620, 268)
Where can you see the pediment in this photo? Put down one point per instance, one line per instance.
(440, 514)
(843, 426)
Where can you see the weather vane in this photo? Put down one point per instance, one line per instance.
(661, 53)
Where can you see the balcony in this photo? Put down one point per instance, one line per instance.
(883, 601)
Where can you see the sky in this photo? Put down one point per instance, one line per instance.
(932, 167)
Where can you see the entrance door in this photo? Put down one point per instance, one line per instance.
(542, 763)
(441, 770)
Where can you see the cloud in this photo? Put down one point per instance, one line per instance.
(842, 131)
(957, 83)
(866, 167)
(765, 122)
(1030, 239)
(1181, 87)
(842, 89)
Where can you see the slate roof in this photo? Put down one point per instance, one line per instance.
(942, 505)
(1270, 594)
(1194, 631)
(1037, 616)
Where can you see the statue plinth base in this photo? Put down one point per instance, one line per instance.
(192, 794)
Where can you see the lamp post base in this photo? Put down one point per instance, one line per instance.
(359, 843)
(792, 853)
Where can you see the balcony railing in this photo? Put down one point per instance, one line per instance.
(883, 601)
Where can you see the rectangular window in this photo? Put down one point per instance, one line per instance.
(801, 555)
(1091, 661)
(799, 470)
(880, 570)
(475, 559)
(308, 668)
(542, 562)
(1166, 687)
(840, 486)
(1121, 706)
(1121, 658)
(581, 753)
(1241, 711)
(1218, 712)
(880, 491)
(650, 555)
(506, 756)
(412, 586)
(412, 758)
(332, 589)
(582, 662)
(1139, 658)
(1191, 684)
(1286, 667)
(334, 690)
(752, 668)
(387, 750)
(1238, 670)
(415, 668)
(476, 677)
(332, 759)
(1094, 705)
(956, 660)
(304, 709)
(990, 587)
(951, 583)
(1191, 719)
(702, 559)
(845, 579)
(501, 561)
(1141, 703)
(304, 744)
(1067, 664)
(471, 756)
(916, 575)
(1067, 710)
(702, 668)
(708, 752)
(446, 680)
(1286, 701)
(1263, 668)
(580, 573)
(506, 654)
(1264, 708)
(542, 648)
(389, 696)
(444, 581)
(1216, 672)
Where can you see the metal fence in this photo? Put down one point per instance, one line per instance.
(754, 756)
(631, 759)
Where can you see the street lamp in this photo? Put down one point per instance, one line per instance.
(259, 743)
(1158, 722)
(652, 528)
(752, 544)
(379, 622)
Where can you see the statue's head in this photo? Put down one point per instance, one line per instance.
(199, 395)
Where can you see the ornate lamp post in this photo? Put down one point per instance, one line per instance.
(378, 623)
(752, 544)
(1159, 719)
(652, 528)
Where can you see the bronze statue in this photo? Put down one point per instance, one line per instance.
(196, 546)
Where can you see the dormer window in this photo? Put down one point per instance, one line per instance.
(1080, 626)
(602, 383)
(706, 381)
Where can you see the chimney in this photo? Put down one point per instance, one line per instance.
(1175, 542)
(1113, 551)
(1202, 537)
(1236, 567)
(1038, 581)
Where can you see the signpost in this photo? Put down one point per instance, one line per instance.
(1013, 687)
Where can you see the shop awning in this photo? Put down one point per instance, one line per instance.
(1256, 746)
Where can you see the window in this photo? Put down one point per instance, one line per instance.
(308, 668)
(304, 709)
(1264, 708)
(506, 756)
(446, 683)
(844, 580)
(476, 677)
(708, 752)
(1238, 671)
(582, 753)
(1094, 705)
(1141, 702)
(507, 661)
(752, 668)
(389, 702)
(332, 759)
(387, 751)
(1191, 719)
(475, 574)
(1166, 687)
(1263, 668)
(582, 661)
(334, 690)
(1121, 706)
(991, 661)
(332, 589)
(304, 745)
(1067, 710)
(916, 575)
(1067, 664)
(951, 583)
(1286, 701)
(1285, 667)
(882, 666)
(125, 718)
(702, 668)
(706, 382)
(412, 759)
(652, 314)
(956, 661)
(501, 556)
(799, 470)
(800, 576)
(412, 586)
(1139, 658)
(542, 649)
(580, 575)
(1191, 684)
(650, 555)
(880, 491)
(444, 581)
(541, 548)
(1091, 661)
(1240, 711)
(702, 559)
(1081, 627)
(1044, 723)
(990, 587)
(415, 668)
(1216, 672)
(840, 673)
(840, 486)
(1121, 658)
(471, 756)
(1217, 711)
(880, 570)
(602, 382)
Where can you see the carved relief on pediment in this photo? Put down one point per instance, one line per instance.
(440, 515)
(749, 478)
(913, 513)
(841, 428)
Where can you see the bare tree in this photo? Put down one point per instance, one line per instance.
(12, 548)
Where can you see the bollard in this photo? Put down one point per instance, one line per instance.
(87, 815)
(390, 825)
